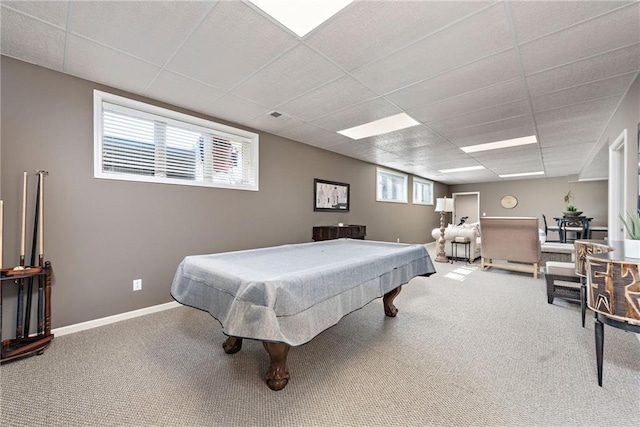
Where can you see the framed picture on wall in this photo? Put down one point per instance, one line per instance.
(330, 196)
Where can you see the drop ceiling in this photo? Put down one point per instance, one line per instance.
(470, 72)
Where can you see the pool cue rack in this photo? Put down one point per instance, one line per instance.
(35, 344)
(25, 343)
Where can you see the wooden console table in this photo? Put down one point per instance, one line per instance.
(28, 345)
(330, 232)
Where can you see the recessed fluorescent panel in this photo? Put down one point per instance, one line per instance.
(500, 144)
(301, 16)
(379, 127)
(468, 168)
(511, 175)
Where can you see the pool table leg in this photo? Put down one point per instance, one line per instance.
(277, 375)
(232, 345)
(390, 309)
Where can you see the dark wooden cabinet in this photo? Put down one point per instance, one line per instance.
(329, 232)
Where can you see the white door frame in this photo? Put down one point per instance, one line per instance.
(467, 193)
(618, 185)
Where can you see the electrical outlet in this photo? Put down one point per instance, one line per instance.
(137, 285)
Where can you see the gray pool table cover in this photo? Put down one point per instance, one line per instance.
(291, 293)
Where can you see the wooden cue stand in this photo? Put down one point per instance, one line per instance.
(36, 344)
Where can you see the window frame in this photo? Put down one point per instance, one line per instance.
(418, 180)
(405, 178)
(148, 111)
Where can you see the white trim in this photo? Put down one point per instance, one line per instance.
(66, 330)
(618, 185)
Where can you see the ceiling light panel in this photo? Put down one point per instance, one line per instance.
(301, 16)
(521, 174)
(501, 144)
(463, 169)
(379, 127)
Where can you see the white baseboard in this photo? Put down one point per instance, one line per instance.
(65, 330)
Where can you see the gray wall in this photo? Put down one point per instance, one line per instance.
(102, 234)
(542, 196)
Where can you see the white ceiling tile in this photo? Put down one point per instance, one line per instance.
(454, 61)
(356, 115)
(89, 60)
(533, 19)
(338, 94)
(618, 28)
(327, 139)
(268, 123)
(584, 111)
(291, 75)
(474, 38)
(404, 139)
(487, 72)
(491, 114)
(491, 132)
(138, 28)
(181, 91)
(232, 43)
(234, 109)
(620, 61)
(490, 96)
(369, 30)
(582, 93)
(301, 131)
(53, 12)
(30, 40)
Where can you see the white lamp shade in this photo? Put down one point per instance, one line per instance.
(444, 204)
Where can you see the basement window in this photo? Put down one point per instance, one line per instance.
(422, 191)
(391, 186)
(134, 141)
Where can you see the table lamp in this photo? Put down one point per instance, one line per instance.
(443, 205)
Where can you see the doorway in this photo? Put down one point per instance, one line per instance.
(466, 204)
(617, 185)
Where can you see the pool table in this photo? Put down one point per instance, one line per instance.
(286, 295)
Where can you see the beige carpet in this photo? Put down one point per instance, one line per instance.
(468, 348)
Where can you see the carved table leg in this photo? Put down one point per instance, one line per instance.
(232, 345)
(277, 375)
(390, 309)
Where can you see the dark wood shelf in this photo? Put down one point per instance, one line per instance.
(330, 232)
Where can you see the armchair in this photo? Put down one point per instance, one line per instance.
(468, 230)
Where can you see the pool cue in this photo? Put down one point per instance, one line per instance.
(40, 215)
(27, 308)
(23, 231)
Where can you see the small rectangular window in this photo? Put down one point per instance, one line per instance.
(422, 191)
(391, 186)
(140, 142)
